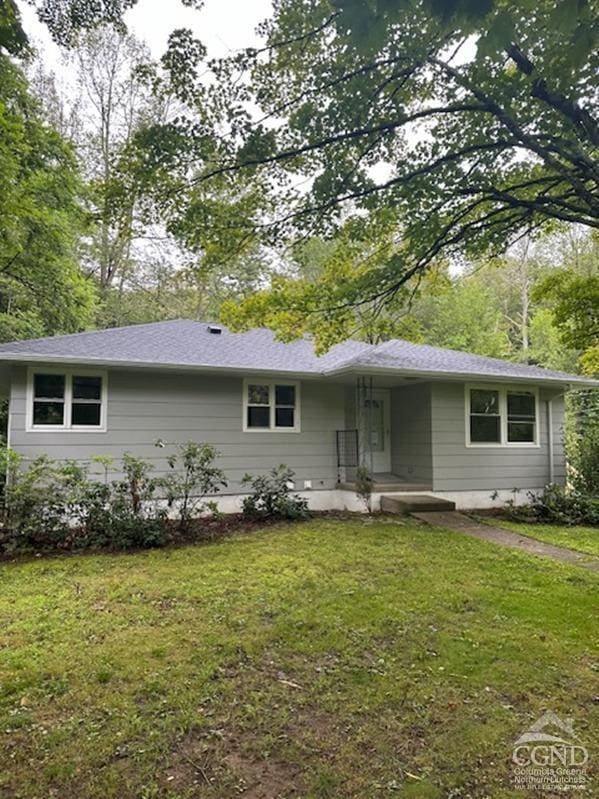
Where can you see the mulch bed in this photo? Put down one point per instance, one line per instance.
(204, 530)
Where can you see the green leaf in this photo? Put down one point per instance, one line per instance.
(565, 15)
(500, 34)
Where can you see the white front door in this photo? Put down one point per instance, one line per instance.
(377, 416)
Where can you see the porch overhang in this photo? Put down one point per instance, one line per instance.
(397, 376)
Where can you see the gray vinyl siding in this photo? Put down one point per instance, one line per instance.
(457, 467)
(427, 431)
(177, 407)
(411, 443)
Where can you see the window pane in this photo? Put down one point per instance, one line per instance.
(87, 387)
(258, 395)
(485, 429)
(259, 417)
(521, 431)
(49, 386)
(521, 405)
(285, 395)
(483, 401)
(48, 413)
(87, 413)
(285, 417)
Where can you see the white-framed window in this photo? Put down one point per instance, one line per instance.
(66, 399)
(502, 416)
(271, 405)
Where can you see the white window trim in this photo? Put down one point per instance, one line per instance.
(67, 427)
(256, 381)
(503, 426)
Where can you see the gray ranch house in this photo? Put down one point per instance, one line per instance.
(421, 419)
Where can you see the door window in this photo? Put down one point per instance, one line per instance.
(376, 421)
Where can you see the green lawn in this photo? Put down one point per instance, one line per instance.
(330, 659)
(582, 539)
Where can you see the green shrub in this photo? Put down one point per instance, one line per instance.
(10, 461)
(585, 462)
(41, 504)
(556, 505)
(128, 514)
(193, 476)
(582, 441)
(95, 516)
(51, 505)
(272, 496)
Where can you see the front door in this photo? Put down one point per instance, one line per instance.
(377, 417)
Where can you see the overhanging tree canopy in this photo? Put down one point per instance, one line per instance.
(42, 289)
(470, 123)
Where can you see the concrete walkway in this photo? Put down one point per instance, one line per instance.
(464, 524)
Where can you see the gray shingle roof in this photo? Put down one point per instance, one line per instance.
(182, 342)
(407, 356)
(189, 344)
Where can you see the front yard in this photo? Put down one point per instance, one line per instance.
(334, 659)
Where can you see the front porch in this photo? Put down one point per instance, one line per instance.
(412, 437)
(387, 482)
(387, 436)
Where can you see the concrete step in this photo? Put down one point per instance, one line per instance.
(414, 503)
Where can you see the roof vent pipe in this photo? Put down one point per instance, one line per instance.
(215, 330)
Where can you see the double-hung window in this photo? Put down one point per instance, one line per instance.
(485, 417)
(500, 417)
(66, 400)
(49, 400)
(521, 417)
(270, 405)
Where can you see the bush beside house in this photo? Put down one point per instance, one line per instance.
(61, 506)
(576, 503)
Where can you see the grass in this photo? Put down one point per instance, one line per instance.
(582, 539)
(332, 659)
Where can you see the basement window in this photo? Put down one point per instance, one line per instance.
(271, 406)
(501, 417)
(66, 400)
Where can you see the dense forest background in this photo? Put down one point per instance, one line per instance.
(87, 240)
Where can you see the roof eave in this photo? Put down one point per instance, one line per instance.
(360, 369)
(152, 365)
(348, 369)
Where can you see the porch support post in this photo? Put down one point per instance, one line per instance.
(364, 422)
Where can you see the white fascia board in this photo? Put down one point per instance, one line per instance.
(156, 366)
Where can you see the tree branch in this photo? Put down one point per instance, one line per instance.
(580, 117)
(295, 152)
